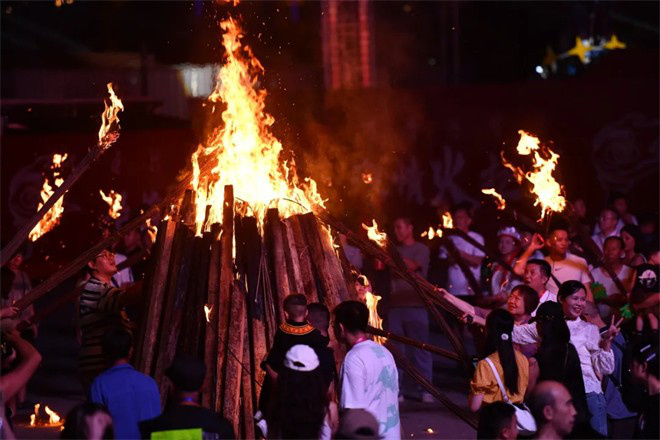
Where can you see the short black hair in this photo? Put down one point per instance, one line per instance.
(463, 206)
(612, 210)
(530, 297)
(645, 351)
(318, 315)
(404, 219)
(493, 419)
(570, 287)
(294, 303)
(614, 238)
(543, 265)
(116, 343)
(353, 315)
(558, 223)
(186, 373)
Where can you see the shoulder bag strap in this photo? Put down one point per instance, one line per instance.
(498, 379)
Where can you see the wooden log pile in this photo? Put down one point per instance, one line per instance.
(240, 273)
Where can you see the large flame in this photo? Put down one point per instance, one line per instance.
(380, 238)
(499, 200)
(52, 217)
(548, 192)
(374, 319)
(107, 136)
(113, 200)
(246, 153)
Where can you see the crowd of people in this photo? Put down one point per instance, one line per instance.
(565, 331)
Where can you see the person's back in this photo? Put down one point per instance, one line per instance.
(129, 395)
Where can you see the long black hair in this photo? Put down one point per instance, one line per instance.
(499, 325)
(299, 404)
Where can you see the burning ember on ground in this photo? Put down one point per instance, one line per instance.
(52, 217)
(113, 200)
(548, 192)
(432, 233)
(499, 200)
(367, 178)
(107, 136)
(380, 238)
(37, 419)
(243, 149)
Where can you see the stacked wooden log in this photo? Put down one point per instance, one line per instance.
(242, 275)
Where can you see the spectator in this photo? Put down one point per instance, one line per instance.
(552, 407)
(511, 366)
(407, 315)
(648, 226)
(621, 420)
(580, 210)
(527, 236)
(357, 424)
(497, 421)
(368, 377)
(522, 302)
(101, 307)
(458, 284)
(645, 370)
(508, 245)
(594, 350)
(620, 203)
(558, 360)
(300, 407)
(319, 318)
(536, 275)
(564, 265)
(129, 395)
(606, 292)
(645, 298)
(90, 421)
(186, 376)
(607, 226)
(632, 246)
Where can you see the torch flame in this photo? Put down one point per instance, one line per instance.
(245, 152)
(367, 178)
(52, 217)
(380, 238)
(548, 192)
(499, 200)
(113, 200)
(109, 117)
(374, 319)
(432, 233)
(447, 221)
(53, 417)
(207, 312)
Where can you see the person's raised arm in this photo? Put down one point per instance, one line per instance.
(29, 360)
(535, 244)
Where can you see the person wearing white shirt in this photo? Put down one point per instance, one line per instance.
(594, 350)
(614, 297)
(458, 284)
(537, 273)
(607, 226)
(368, 379)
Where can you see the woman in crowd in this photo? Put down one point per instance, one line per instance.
(511, 366)
(300, 407)
(594, 351)
(645, 370)
(632, 246)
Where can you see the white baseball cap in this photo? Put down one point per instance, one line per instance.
(301, 358)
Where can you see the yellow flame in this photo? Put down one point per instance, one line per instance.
(380, 238)
(53, 417)
(52, 217)
(429, 430)
(113, 200)
(245, 152)
(207, 312)
(110, 116)
(432, 233)
(447, 221)
(499, 200)
(152, 230)
(367, 178)
(546, 189)
(374, 319)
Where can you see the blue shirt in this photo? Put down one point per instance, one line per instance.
(130, 396)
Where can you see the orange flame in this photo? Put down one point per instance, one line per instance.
(447, 221)
(499, 200)
(110, 116)
(246, 153)
(380, 238)
(548, 192)
(53, 418)
(113, 200)
(367, 178)
(207, 312)
(52, 217)
(152, 230)
(432, 233)
(374, 319)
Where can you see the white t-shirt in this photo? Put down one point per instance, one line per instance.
(547, 296)
(124, 276)
(625, 275)
(369, 380)
(458, 284)
(570, 268)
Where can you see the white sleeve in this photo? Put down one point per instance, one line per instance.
(525, 334)
(475, 250)
(353, 384)
(602, 361)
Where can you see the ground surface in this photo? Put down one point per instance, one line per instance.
(56, 385)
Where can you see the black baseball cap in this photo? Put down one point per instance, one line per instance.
(186, 373)
(547, 311)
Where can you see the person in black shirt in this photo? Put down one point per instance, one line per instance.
(319, 318)
(645, 370)
(185, 413)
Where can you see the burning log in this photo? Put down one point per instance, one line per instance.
(210, 337)
(275, 234)
(107, 136)
(304, 259)
(291, 256)
(234, 361)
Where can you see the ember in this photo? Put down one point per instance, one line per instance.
(367, 178)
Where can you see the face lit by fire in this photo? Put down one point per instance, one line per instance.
(104, 264)
(16, 262)
(607, 221)
(462, 220)
(362, 291)
(507, 244)
(558, 242)
(403, 230)
(573, 305)
(535, 278)
(516, 304)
